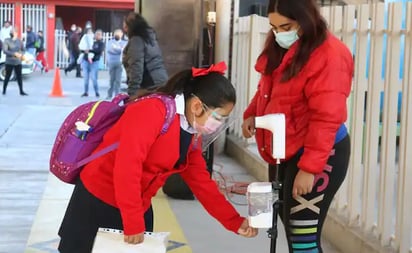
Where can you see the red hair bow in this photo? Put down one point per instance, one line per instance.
(219, 68)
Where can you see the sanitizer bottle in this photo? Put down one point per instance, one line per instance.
(260, 198)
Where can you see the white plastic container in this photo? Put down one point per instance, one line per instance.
(260, 198)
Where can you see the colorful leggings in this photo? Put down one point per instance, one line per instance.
(304, 216)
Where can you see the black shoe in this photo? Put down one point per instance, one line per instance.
(97, 95)
(23, 93)
(79, 76)
(85, 95)
(65, 72)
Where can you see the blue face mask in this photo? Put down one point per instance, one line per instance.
(286, 39)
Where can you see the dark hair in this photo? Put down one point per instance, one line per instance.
(314, 33)
(213, 89)
(137, 26)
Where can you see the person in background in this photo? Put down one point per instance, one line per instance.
(13, 48)
(72, 30)
(74, 41)
(31, 39)
(85, 46)
(40, 57)
(306, 74)
(4, 34)
(90, 63)
(114, 51)
(5, 31)
(142, 57)
(115, 190)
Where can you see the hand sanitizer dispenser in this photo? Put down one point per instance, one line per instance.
(260, 199)
(276, 124)
(261, 195)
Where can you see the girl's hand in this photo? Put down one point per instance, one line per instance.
(303, 183)
(134, 239)
(248, 127)
(247, 231)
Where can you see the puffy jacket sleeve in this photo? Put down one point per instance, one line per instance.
(135, 64)
(326, 92)
(206, 191)
(141, 125)
(251, 109)
(260, 68)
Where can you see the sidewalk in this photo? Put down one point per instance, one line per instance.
(32, 201)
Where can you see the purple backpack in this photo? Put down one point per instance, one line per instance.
(83, 130)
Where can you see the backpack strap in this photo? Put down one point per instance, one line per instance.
(170, 105)
(96, 155)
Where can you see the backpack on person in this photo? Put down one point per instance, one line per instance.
(83, 130)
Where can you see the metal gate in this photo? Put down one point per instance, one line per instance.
(34, 15)
(6, 12)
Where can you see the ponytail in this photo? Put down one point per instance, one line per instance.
(178, 84)
(209, 85)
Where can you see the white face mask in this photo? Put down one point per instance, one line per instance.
(286, 39)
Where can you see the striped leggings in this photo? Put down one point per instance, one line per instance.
(304, 216)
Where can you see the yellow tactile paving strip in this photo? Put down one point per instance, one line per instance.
(44, 239)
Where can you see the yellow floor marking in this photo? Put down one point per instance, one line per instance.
(165, 221)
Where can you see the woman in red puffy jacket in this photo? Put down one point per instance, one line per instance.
(306, 75)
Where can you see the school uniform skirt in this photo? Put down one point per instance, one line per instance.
(84, 215)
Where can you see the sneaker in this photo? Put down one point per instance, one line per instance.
(23, 93)
(85, 95)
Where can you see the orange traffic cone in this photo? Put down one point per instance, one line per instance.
(57, 85)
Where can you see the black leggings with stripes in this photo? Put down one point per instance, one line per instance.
(304, 216)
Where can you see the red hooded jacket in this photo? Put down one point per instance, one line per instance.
(128, 177)
(314, 103)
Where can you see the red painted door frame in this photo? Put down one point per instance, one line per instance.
(50, 37)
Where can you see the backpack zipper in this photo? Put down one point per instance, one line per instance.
(92, 111)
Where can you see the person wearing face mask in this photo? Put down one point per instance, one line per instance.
(306, 74)
(114, 61)
(74, 40)
(115, 190)
(13, 48)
